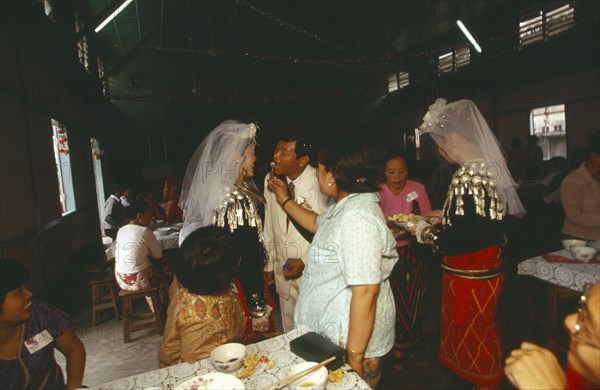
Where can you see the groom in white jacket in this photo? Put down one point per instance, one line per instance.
(286, 242)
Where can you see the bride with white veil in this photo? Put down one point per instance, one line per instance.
(218, 190)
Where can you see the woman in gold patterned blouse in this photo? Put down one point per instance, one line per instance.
(203, 311)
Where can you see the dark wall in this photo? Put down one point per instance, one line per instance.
(56, 248)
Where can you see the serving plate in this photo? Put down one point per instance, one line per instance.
(211, 381)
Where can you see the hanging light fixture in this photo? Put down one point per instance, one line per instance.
(468, 35)
(112, 16)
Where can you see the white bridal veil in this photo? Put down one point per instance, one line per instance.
(213, 170)
(462, 132)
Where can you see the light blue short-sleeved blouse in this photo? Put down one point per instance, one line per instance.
(352, 246)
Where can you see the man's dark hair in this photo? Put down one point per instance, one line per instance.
(206, 260)
(116, 187)
(304, 142)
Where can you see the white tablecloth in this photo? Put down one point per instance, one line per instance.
(277, 348)
(571, 275)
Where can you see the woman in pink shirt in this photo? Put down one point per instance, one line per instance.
(402, 196)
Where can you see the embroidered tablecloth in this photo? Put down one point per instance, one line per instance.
(571, 273)
(277, 348)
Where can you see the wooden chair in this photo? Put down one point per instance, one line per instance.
(133, 320)
(103, 294)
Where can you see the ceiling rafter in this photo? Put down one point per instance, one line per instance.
(115, 70)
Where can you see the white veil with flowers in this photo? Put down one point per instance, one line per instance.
(462, 132)
(212, 172)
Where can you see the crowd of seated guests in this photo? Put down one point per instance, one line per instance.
(541, 198)
(580, 195)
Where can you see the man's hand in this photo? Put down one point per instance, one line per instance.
(294, 269)
(268, 278)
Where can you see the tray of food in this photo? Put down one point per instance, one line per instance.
(404, 220)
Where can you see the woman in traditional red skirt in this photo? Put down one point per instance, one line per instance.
(470, 236)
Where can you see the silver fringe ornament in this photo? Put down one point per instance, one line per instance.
(240, 201)
(473, 179)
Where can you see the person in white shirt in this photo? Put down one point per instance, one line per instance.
(287, 242)
(127, 197)
(135, 244)
(113, 212)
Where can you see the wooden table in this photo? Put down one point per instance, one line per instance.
(565, 277)
(276, 348)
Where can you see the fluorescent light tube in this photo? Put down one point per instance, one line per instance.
(468, 35)
(111, 16)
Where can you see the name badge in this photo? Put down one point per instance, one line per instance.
(412, 196)
(38, 341)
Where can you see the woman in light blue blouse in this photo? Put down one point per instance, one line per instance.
(346, 294)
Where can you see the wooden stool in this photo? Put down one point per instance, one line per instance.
(133, 321)
(103, 294)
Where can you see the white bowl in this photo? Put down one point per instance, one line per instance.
(594, 244)
(228, 357)
(163, 231)
(212, 381)
(567, 244)
(583, 253)
(316, 380)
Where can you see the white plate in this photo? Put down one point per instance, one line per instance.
(211, 381)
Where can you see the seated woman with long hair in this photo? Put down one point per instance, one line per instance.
(204, 312)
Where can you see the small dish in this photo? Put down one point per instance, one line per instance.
(583, 253)
(228, 357)
(163, 231)
(211, 381)
(316, 380)
(567, 244)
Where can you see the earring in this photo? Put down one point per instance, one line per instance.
(329, 184)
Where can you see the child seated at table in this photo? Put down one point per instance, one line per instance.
(204, 312)
(135, 243)
(30, 330)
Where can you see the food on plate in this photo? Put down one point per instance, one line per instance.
(404, 217)
(336, 376)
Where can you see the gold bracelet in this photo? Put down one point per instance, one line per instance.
(285, 201)
(354, 352)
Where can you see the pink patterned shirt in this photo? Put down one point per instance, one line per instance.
(397, 204)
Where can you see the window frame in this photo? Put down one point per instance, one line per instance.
(549, 134)
(66, 191)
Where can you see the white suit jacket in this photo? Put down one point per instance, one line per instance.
(282, 240)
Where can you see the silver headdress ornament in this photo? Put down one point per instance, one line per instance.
(433, 115)
(251, 129)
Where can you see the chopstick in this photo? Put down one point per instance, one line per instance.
(288, 380)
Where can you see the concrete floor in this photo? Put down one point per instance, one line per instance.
(108, 357)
